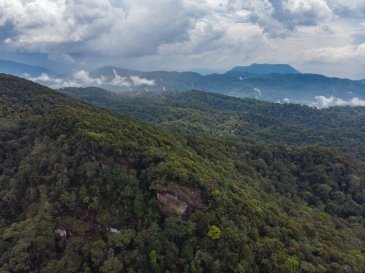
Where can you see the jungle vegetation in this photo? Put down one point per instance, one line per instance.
(84, 189)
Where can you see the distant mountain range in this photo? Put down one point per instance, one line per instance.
(277, 83)
(270, 82)
(20, 69)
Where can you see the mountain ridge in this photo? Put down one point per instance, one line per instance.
(294, 87)
(20, 69)
(305, 88)
(262, 69)
(88, 190)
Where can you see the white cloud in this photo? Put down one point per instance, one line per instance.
(137, 81)
(83, 78)
(324, 102)
(258, 92)
(52, 81)
(349, 8)
(186, 34)
(335, 54)
(119, 80)
(78, 79)
(317, 7)
(130, 28)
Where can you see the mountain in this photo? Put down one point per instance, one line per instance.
(269, 82)
(89, 190)
(250, 82)
(305, 88)
(223, 116)
(20, 69)
(120, 79)
(262, 69)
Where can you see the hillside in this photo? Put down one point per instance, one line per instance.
(251, 120)
(87, 190)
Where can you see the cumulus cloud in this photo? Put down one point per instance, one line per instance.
(83, 77)
(126, 28)
(348, 8)
(185, 34)
(307, 12)
(324, 102)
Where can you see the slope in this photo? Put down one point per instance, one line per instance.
(251, 120)
(86, 190)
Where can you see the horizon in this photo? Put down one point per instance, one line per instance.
(211, 36)
(201, 71)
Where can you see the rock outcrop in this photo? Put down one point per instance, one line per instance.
(179, 201)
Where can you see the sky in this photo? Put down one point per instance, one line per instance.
(314, 36)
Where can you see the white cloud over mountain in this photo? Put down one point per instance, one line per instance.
(324, 102)
(188, 34)
(83, 78)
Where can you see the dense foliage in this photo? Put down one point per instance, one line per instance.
(85, 190)
(248, 119)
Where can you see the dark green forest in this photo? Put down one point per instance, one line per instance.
(177, 182)
(250, 120)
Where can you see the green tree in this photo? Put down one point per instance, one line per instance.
(214, 232)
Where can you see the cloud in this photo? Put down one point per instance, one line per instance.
(53, 82)
(258, 93)
(137, 81)
(324, 102)
(280, 18)
(130, 28)
(119, 80)
(335, 54)
(348, 8)
(83, 78)
(44, 77)
(307, 12)
(185, 34)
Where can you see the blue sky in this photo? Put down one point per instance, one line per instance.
(319, 36)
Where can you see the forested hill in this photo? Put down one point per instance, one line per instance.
(86, 190)
(248, 119)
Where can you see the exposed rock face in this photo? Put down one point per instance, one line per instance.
(171, 205)
(179, 201)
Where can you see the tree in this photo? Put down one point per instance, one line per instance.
(214, 232)
(292, 264)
